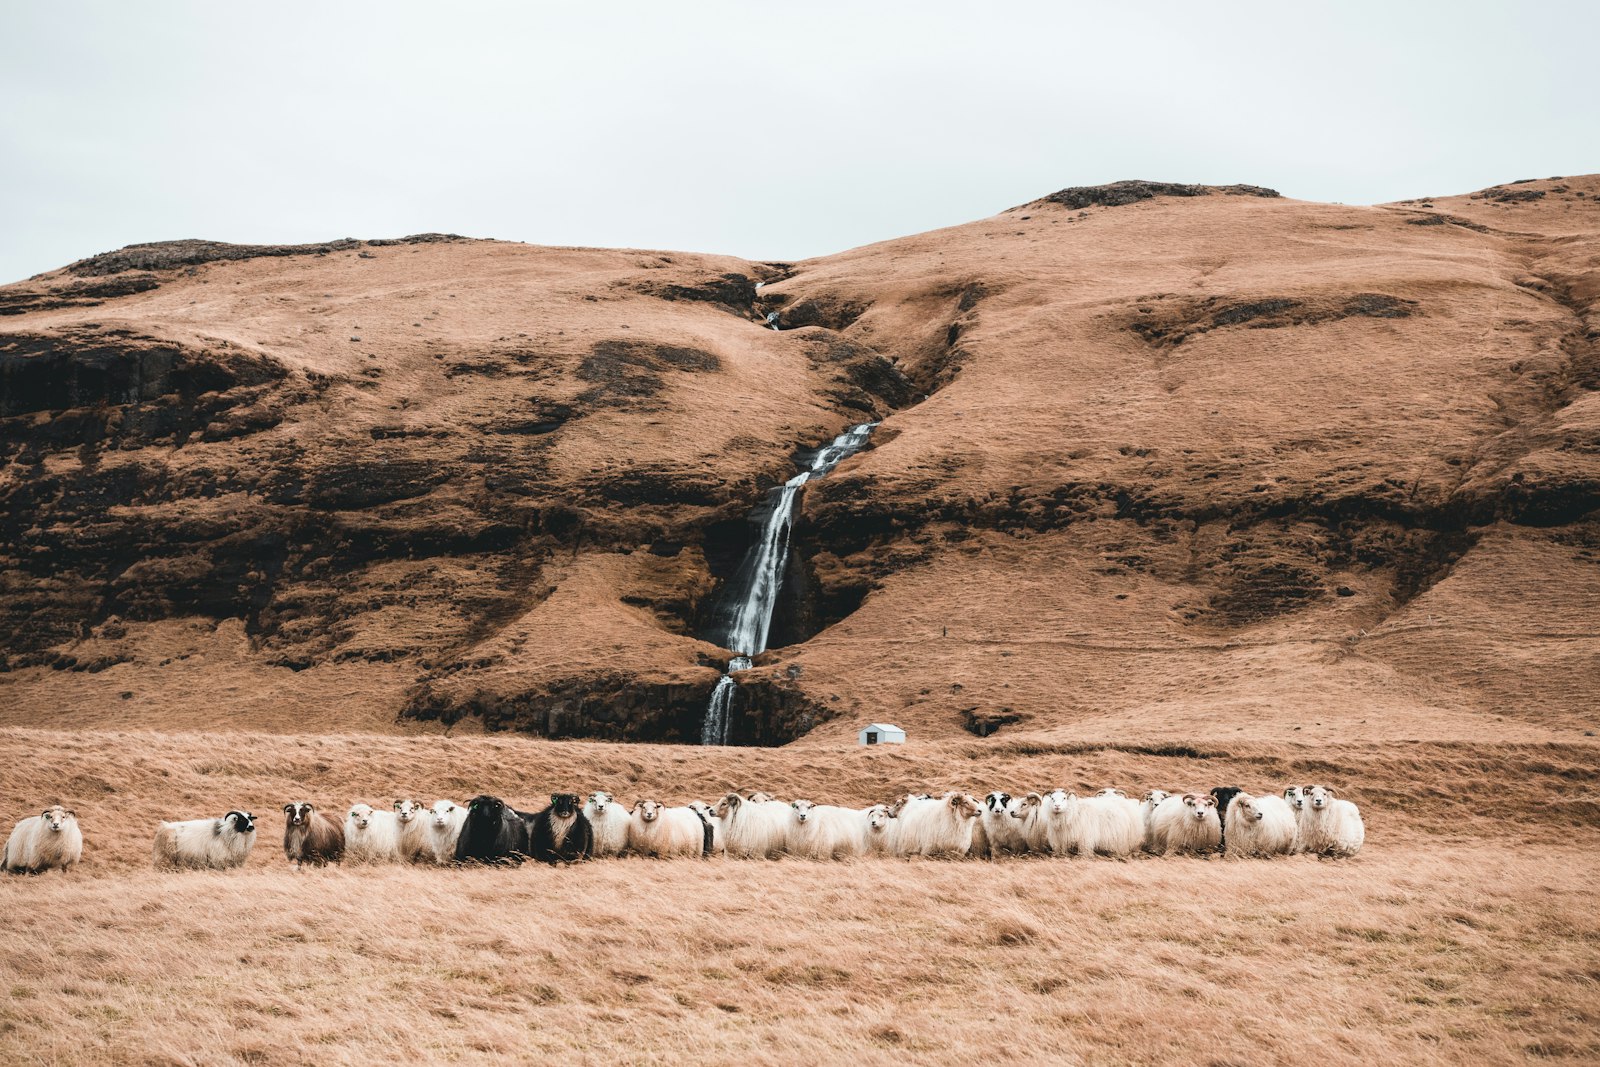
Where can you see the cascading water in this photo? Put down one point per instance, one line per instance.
(753, 590)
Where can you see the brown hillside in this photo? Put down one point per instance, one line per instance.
(1157, 461)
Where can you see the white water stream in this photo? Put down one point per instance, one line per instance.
(754, 588)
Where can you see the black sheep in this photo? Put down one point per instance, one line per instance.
(561, 833)
(1224, 795)
(493, 832)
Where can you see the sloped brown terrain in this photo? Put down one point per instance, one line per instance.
(1155, 460)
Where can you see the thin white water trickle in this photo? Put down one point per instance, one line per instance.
(759, 579)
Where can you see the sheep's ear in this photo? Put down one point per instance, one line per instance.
(288, 809)
(1189, 799)
(45, 814)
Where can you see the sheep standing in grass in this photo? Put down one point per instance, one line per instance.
(444, 821)
(824, 831)
(1296, 800)
(937, 826)
(1187, 823)
(1258, 826)
(1333, 827)
(411, 838)
(560, 833)
(609, 821)
(493, 832)
(371, 836)
(1032, 822)
(310, 836)
(753, 829)
(40, 842)
(205, 843)
(657, 830)
(878, 830)
(1147, 812)
(1107, 824)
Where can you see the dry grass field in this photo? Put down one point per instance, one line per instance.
(1465, 932)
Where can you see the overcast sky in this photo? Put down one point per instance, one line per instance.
(770, 131)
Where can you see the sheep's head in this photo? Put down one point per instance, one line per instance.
(564, 805)
(878, 816)
(802, 810)
(486, 807)
(1056, 801)
(599, 802)
(1201, 807)
(997, 802)
(1155, 797)
(406, 810)
(1296, 798)
(648, 810)
(361, 815)
(298, 814)
(760, 798)
(442, 811)
(729, 805)
(241, 821)
(1027, 806)
(1247, 807)
(1319, 796)
(57, 817)
(965, 807)
(1112, 793)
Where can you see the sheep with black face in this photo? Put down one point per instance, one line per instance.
(493, 832)
(560, 833)
(200, 844)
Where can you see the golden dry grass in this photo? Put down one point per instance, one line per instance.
(1464, 933)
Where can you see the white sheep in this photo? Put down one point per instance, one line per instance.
(443, 824)
(937, 826)
(1186, 823)
(411, 830)
(1260, 826)
(1333, 827)
(371, 836)
(1032, 821)
(40, 842)
(753, 829)
(609, 820)
(1296, 800)
(1107, 824)
(657, 830)
(205, 843)
(824, 831)
(1147, 812)
(878, 833)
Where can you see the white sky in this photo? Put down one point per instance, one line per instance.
(770, 131)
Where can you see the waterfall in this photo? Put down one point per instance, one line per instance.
(753, 590)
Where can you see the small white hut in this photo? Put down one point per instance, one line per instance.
(881, 733)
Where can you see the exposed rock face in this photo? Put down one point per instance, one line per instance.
(1220, 457)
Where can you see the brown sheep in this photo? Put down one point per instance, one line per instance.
(310, 836)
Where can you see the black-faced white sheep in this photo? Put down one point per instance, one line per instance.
(1147, 812)
(40, 842)
(997, 833)
(657, 830)
(411, 830)
(824, 831)
(371, 836)
(1258, 826)
(939, 826)
(199, 844)
(753, 829)
(609, 821)
(1333, 827)
(1187, 823)
(443, 822)
(560, 833)
(493, 832)
(310, 836)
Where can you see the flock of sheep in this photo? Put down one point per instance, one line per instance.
(1310, 819)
